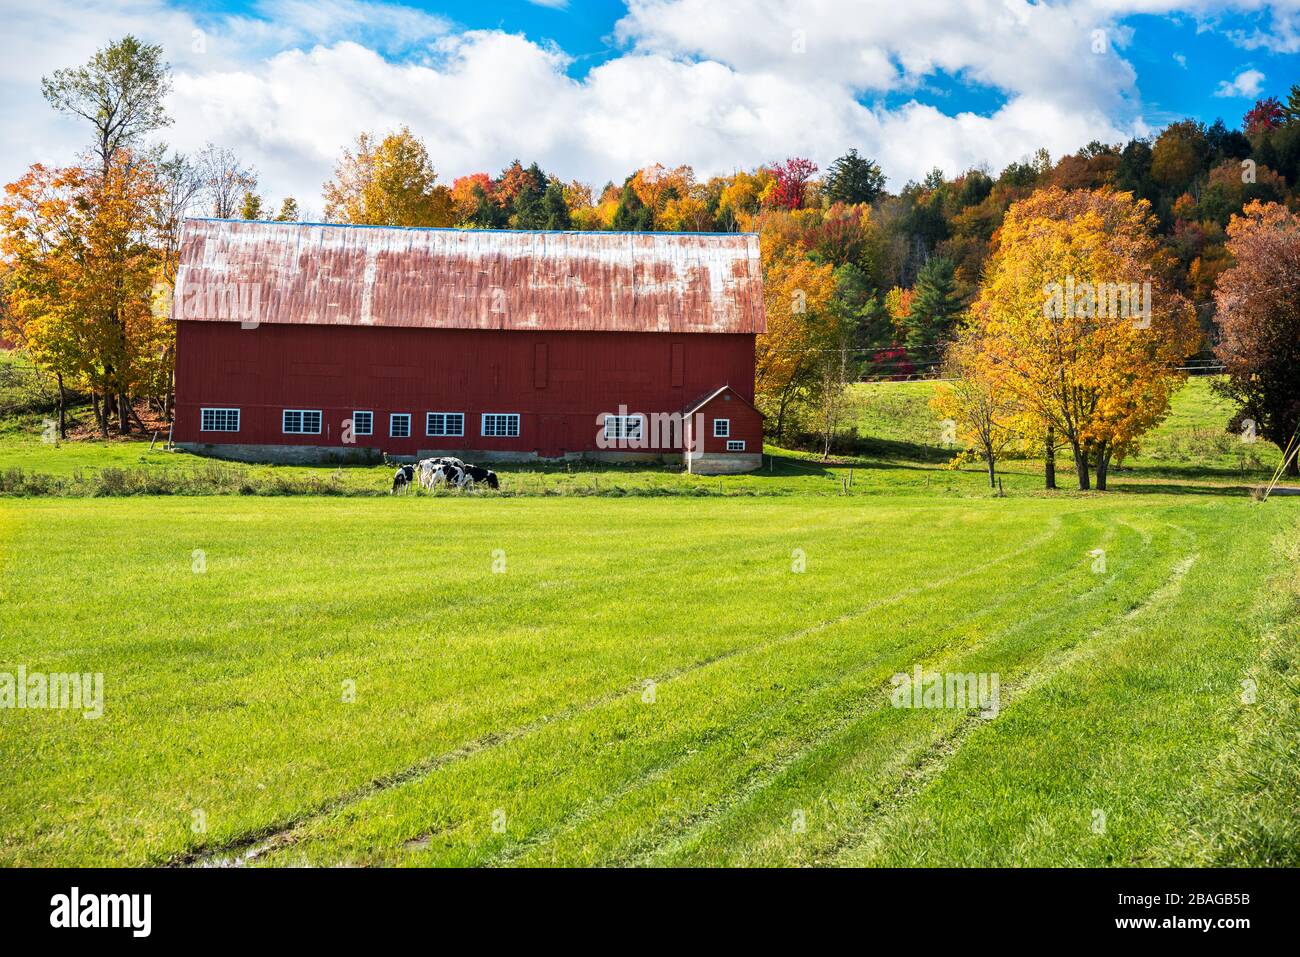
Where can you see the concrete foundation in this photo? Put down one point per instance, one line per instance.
(287, 454)
(729, 463)
(702, 463)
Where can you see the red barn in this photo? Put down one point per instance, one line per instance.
(306, 342)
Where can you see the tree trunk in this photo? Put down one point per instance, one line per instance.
(1081, 466)
(993, 472)
(101, 414)
(1103, 466)
(780, 416)
(123, 414)
(1049, 459)
(63, 407)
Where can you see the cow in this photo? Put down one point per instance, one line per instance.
(403, 478)
(432, 475)
(476, 473)
(427, 468)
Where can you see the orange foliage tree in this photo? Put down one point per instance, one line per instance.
(84, 269)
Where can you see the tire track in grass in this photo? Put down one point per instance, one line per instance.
(930, 764)
(768, 775)
(597, 806)
(256, 844)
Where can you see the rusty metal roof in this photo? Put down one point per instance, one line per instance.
(316, 274)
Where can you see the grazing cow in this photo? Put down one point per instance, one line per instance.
(432, 476)
(403, 478)
(476, 473)
(427, 468)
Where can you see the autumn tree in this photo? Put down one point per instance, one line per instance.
(1079, 323)
(1266, 115)
(983, 411)
(797, 296)
(464, 198)
(1181, 152)
(251, 206)
(789, 183)
(84, 268)
(388, 183)
(288, 211)
(1259, 321)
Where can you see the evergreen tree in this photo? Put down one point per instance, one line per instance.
(487, 214)
(631, 214)
(555, 211)
(854, 179)
(935, 304)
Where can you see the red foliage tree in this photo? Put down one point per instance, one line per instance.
(1264, 116)
(790, 178)
(1259, 319)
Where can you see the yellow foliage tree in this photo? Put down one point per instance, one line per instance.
(1078, 322)
(389, 183)
(983, 413)
(797, 295)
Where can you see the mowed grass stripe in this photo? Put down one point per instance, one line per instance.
(636, 827)
(619, 735)
(1126, 732)
(206, 720)
(878, 746)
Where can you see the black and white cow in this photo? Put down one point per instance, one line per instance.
(403, 478)
(435, 475)
(476, 473)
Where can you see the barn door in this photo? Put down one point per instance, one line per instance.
(552, 438)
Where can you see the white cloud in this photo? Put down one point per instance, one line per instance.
(717, 86)
(1246, 84)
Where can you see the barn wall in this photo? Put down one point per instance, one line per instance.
(746, 423)
(556, 381)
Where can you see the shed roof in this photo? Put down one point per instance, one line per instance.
(318, 274)
(706, 399)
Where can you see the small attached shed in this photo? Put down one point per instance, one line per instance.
(724, 433)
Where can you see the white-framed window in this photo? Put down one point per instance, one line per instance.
(623, 427)
(363, 423)
(721, 428)
(218, 420)
(503, 425)
(735, 445)
(444, 423)
(399, 425)
(302, 421)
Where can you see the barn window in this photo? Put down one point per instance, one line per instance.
(363, 423)
(399, 425)
(501, 425)
(301, 422)
(444, 423)
(218, 420)
(735, 445)
(623, 427)
(721, 428)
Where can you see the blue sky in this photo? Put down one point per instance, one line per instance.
(593, 89)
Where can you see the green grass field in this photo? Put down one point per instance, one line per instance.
(525, 679)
